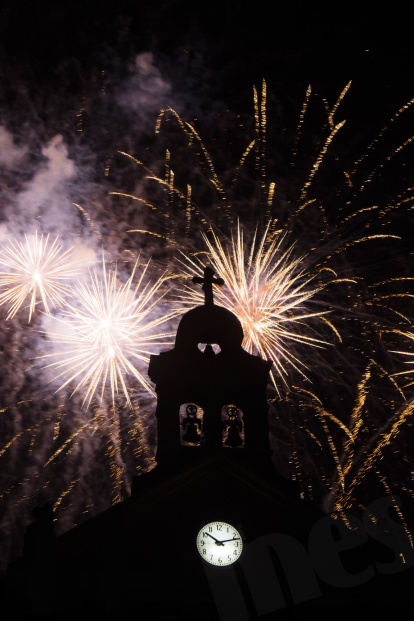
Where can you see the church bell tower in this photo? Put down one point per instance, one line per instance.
(211, 392)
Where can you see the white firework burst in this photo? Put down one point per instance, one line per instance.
(108, 333)
(39, 271)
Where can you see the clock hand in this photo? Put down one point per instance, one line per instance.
(234, 539)
(218, 543)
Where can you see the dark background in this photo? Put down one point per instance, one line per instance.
(228, 46)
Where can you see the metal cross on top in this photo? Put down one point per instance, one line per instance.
(208, 281)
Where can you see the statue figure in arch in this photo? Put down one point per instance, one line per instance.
(233, 427)
(191, 425)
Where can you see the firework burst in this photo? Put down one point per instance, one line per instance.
(108, 332)
(38, 271)
(269, 291)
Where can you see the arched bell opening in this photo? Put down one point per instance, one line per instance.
(191, 425)
(232, 426)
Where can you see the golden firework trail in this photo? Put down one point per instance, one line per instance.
(348, 454)
(409, 354)
(107, 332)
(37, 271)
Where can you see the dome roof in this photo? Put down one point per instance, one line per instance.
(209, 324)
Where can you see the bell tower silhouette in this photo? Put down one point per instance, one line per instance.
(210, 403)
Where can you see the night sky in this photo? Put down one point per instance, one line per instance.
(79, 85)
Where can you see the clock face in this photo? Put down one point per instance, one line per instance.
(219, 543)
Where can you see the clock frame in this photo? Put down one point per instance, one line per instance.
(219, 543)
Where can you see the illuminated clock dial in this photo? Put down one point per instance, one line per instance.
(219, 543)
